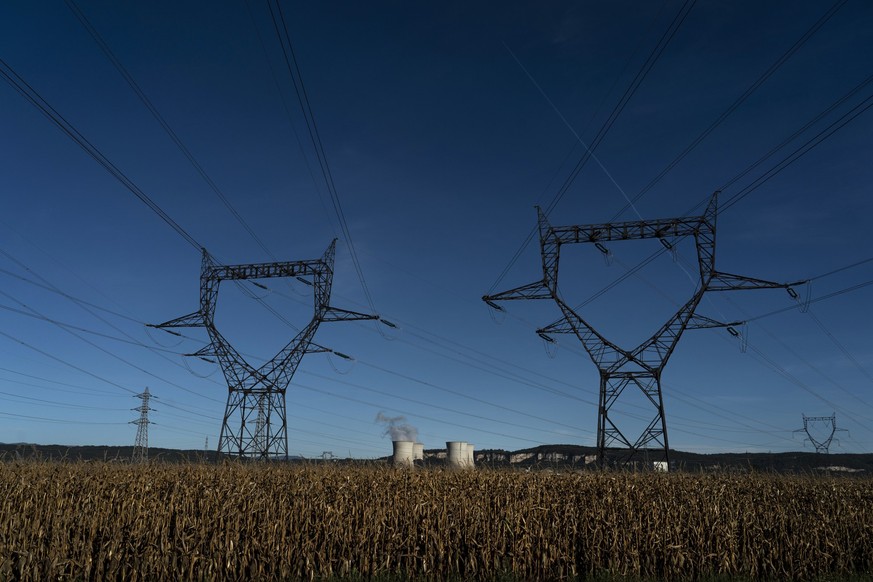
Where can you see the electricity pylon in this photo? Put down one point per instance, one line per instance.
(821, 445)
(640, 367)
(255, 424)
(141, 445)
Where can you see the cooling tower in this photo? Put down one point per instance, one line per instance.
(403, 453)
(471, 460)
(418, 452)
(455, 453)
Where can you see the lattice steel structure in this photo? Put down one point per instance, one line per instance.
(141, 445)
(255, 424)
(822, 445)
(641, 367)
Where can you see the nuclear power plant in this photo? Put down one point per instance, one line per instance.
(407, 452)
(459, 454)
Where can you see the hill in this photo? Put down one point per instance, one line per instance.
(541, 457)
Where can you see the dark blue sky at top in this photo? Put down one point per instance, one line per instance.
(439, 145)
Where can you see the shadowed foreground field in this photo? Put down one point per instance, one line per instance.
(251, 522)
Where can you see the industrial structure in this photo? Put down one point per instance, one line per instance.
(822, 444)
(406, 453)
(141, 444)
(459, 454)
(255, 424)
(639, 368)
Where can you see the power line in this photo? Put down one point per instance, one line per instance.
(43, 402)
(58, 420)
(579, 139)
(798, 153)
(769, 362)
(644, 71)
(761, 180)
(795, 155)
(456, 393)
(736, 104)
(51, 288)
(107, 51)
(167, 403)
(78, 388)
(306, 107)
(176, 140)
(650, 61)
(447, 409)
(781, 370)
(35, 99)
(842, 348)
(464, 350)
(69, 330)
(61, 324)
(287, 110)
(841, 269)
(159, 351)
(64, 362)
(416, 415)
(831, 295)
(814, 120)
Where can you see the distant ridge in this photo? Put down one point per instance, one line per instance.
(541, 457)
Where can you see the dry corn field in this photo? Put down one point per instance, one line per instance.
(87, 521)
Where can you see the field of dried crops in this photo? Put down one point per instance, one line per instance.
(251, 522)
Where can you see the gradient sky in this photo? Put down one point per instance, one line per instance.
(444, 124)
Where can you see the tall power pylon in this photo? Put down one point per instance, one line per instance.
(255, 424)
(822, 444)
(640, 367)
(141, 445)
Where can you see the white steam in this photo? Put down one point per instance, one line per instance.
(397, 428)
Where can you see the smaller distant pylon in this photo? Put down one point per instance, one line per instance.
(821, 442)
(141, 445)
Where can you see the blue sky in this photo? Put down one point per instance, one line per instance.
(444, 124)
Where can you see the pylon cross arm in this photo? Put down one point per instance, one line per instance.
(632, 230)
(337, 314)
(206, 351)
(729, 282)
(535, 290)
(191, 320)
(702, 322)
(315, 348)
(307, 268)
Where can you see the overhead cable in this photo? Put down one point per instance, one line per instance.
(35, 99)
(635, 83)
(306, 107)
(736, 103)
(107, 51)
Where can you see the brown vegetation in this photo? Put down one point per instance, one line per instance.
(251, 522)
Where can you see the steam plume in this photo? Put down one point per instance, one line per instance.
(397, 428)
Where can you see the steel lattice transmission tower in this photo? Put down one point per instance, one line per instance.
(141, 445)
(255, 424)
(822, 445)
(641, 367)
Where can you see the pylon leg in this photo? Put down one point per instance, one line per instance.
(262, 425)
(615, 446)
